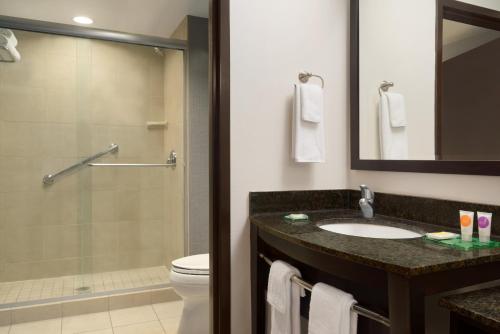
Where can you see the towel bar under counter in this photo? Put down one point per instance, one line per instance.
(355, 308)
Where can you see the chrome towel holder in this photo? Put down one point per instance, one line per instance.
(355, 308)
(384, 87)
(305, 76)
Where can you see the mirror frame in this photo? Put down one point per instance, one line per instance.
(449, 9)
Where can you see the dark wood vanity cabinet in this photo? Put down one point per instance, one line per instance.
(400, 296)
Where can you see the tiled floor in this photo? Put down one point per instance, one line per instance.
(150, 319)
(66, 286)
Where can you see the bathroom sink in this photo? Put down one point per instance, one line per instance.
(370, 231)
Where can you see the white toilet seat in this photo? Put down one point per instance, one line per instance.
(186, 279)
(192, 265)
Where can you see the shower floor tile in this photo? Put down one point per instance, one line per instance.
(68, 286)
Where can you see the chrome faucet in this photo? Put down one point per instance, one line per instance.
(366, 201)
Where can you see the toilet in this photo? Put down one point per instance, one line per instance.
(189, 277)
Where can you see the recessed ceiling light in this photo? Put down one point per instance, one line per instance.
(83, 20)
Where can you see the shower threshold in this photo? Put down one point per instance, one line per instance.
(63, 288)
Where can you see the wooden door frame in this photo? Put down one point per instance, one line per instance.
(220, 259)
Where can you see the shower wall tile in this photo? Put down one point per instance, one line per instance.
(22, 103)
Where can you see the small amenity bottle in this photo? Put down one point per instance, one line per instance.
(466, 224)
(484, 226)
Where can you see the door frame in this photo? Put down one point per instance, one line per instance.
(220, 171)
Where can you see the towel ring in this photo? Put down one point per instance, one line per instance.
(305, 76)
(384, 87)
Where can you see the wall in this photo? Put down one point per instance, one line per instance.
(389, 32)
(174, 88)
(66, 99)
(271, 42)
(198, 136)
(146, 17)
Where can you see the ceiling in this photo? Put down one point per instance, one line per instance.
(148, 17)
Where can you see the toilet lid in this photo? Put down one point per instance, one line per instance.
(192, 265)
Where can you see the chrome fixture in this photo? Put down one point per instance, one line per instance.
(366, 201)
(305, 76)
(171, 162)
(354, 308)
(50, 178)
(384, 87)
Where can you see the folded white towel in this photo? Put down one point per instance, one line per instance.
(330, 311)
(311, 102)
(308, 138)
(393, 140)
(284, 298)
(397, 110)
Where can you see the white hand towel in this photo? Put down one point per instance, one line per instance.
(308, 138)
(284, 298)
(397, 110)
(393, 141)
(330, 311)
(311, 103)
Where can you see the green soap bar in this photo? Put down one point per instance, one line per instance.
(458, 243)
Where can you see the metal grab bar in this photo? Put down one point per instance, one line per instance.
(171, 162)
(50, 178)
(355, 308)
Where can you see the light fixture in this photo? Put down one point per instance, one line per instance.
(83, 20)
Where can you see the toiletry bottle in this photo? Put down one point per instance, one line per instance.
(466, 224)
(484, 226)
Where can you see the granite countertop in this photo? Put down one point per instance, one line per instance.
(482, 306)
(408, 257)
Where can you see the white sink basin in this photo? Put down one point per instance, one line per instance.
(371, 231)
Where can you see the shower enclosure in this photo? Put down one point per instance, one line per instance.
(91, 163)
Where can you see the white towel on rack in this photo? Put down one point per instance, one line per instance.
(397, 110)
(311, 103)
(284, 298)
(393, 140)
(330, 311)
(308, 138)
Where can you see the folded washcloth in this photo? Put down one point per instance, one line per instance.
(284, 298)
(397, 110)
(330, 311)
(311, 100)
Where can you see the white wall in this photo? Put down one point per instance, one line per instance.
(271, 41)
(148, 17)
(397, 43)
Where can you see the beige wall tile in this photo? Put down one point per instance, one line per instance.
(22, 243)
(21, 139)
(36, 313)
(5, 317)
(63, 241)
(164, 295)
(129, 300)
(85, 306)
(22, 103)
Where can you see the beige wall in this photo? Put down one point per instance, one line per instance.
(271, 42)
(66, 99)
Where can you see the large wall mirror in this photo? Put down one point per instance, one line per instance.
(425, 86)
